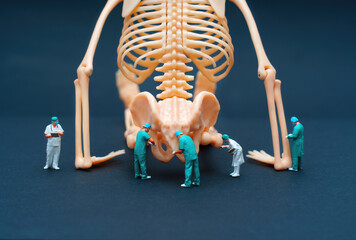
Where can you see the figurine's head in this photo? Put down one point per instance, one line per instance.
(294, 120)
(54, 120)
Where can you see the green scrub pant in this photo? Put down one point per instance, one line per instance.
(140, 164)
(189, 166)
(297, 163)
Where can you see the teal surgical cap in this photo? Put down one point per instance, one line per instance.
(225, 137)
(178, 133)
(294, 119)
(54, 119)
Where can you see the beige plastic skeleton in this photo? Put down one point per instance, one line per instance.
(165, 35)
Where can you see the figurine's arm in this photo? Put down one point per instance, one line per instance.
(178, 151)
(295, 133)
(48, 135)
(263, 62)
(151, 141)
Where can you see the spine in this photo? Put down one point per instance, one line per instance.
(174, 80)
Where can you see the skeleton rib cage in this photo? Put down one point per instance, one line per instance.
(174, 33)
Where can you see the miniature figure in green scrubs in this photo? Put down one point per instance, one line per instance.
(187, 147)
(142, 140)
(298, 144)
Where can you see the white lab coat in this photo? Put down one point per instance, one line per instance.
(53, 145)
(238, 157)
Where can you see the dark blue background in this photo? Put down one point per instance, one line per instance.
(310, 43)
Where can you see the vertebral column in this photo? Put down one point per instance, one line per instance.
(174, 80)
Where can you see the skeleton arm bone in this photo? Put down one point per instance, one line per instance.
(85, 70)
(87, 62)
(263, 62)
(267, 73)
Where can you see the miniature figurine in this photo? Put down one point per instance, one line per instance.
(164, 36)
(236, 150)
(297, 145)
(142, 140)
(53, 133)
(187, 147)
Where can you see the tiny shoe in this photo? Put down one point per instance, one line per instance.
(235, 175)
(45, 167)
(56, 168)
(232, 173)
(195, 184)
(147, 177)
(292, 169)
(183, 185)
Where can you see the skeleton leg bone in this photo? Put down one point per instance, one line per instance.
(127, 92)
(211, 135)
(207, 107)
(81, 84)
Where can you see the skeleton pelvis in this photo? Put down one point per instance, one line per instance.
(172, 114)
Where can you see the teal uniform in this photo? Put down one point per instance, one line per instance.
(297, 146)
(140, 154)
(187, 145)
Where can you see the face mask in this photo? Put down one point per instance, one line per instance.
(56, 123)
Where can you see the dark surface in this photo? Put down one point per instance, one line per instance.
(107, 202)
(310, 43)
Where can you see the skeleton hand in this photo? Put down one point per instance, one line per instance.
(261, 156)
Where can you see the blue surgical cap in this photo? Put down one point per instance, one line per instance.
(178, 133)
(294, 119)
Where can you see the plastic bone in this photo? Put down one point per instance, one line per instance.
(168, 36)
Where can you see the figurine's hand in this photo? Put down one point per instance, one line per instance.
(174, 152)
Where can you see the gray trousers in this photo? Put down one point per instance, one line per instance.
(53, 155)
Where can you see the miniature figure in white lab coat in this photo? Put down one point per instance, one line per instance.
(236, 150)
(53, 134)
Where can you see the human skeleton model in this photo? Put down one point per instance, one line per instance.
(165, 35)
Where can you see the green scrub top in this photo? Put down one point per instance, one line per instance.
(298, 140)
(141, 142)
(187, 145)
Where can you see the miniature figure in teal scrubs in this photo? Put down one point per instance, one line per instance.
(187, 147)
(298, 144)
(142, 140)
